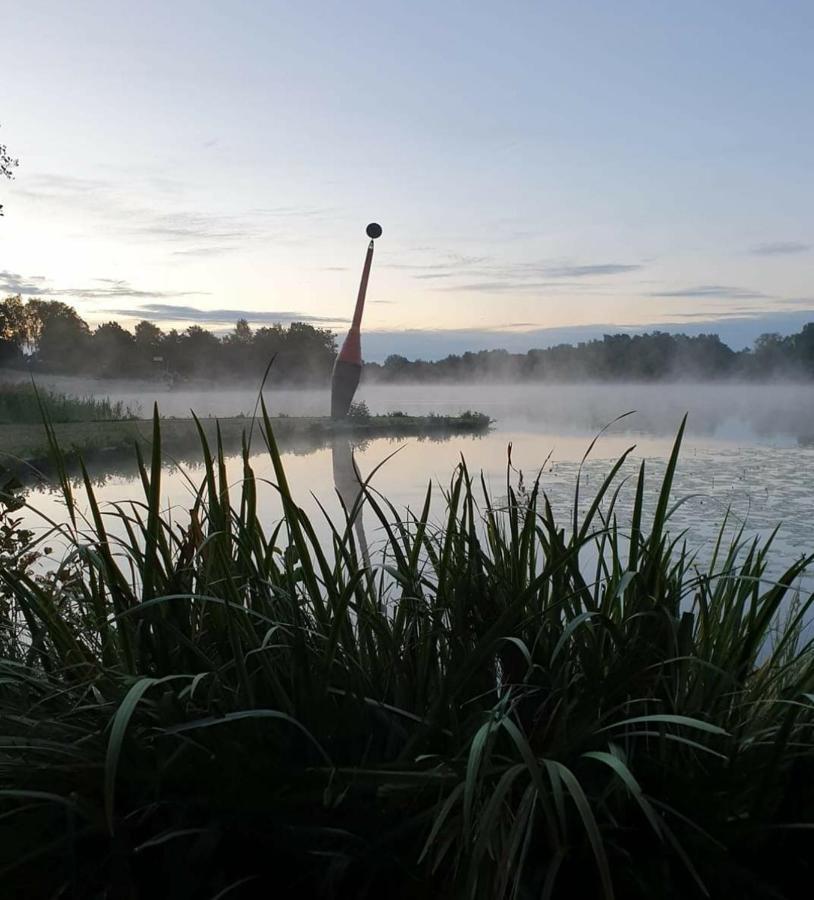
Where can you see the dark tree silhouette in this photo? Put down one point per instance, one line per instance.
(50, 336)
(7, 166)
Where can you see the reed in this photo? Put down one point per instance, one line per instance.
(502, 705)
(22, 403)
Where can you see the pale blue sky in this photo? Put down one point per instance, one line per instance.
(549, 165)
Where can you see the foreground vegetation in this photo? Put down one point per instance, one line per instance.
(505, 706)
(30, 443)
(23, 404)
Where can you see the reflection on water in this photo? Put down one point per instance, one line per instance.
(348, 483)
(743, 453)
(780, 414)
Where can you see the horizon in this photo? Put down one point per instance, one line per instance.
(543, 175)
(438, 346)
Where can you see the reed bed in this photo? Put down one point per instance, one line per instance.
(23, 404)
(206, 709)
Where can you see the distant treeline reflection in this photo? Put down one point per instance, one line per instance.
(49, 336)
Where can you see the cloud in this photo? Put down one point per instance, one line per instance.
(489, 287)
(712, 290)
(113, 288)
(443, 262)
(736, 312)
(514, 286)
(485, 275)
(188, 232)
(779, 248)
(12, 283)
(55, 184)
(203, 251)
(590, 271)
(167, 312)
(101, 288)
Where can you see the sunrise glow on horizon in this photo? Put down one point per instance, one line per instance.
(541, 171)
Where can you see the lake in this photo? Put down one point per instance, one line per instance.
(748, 449)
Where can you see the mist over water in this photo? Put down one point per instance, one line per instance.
(748, 451)
(778, 414)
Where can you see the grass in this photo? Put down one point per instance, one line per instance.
(503, 706)
(20, 443)
(22, 403)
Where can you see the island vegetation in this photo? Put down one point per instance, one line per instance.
(109, 441)
(49, 337)
(23, 404)
(499, 705)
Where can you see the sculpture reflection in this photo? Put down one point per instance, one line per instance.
(348, 484)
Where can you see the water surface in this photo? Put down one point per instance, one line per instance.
(748, 450)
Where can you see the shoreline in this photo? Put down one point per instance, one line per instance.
(25, 446)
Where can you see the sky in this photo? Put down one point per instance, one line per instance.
(543, 171)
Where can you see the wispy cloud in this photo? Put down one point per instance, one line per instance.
(29, 286)
(100, 288)
(185, 232)
(590, 271)
(204, 251)
(168, 312)
(445, 262)
(512, 286)
(457, 263)
(779, 248)
(719, 291)
(466, 274)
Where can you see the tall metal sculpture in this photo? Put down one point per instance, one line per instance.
(348, 365)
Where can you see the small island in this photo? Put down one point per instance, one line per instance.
(27, 442)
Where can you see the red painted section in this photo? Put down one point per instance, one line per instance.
(351, 351)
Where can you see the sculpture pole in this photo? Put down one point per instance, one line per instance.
(348, 366)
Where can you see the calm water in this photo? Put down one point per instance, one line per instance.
(748, 449)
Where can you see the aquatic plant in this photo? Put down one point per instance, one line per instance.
(503, 705)
(22, 403)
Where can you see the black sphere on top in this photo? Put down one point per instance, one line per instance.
(374, 230)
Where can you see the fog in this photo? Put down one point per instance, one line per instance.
(748, 453)
(780, 413)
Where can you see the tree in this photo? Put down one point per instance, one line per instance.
(112, 350)
(149, 349)
(59, 335)
(803, 346)
(148, 336)
(236, 349)
(10, 355)
(7, 167)
(242, 333)
(197, 353)
(14, 322)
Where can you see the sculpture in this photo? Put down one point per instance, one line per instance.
(348, 366)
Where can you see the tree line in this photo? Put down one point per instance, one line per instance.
(49, 336)
(655, 356)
